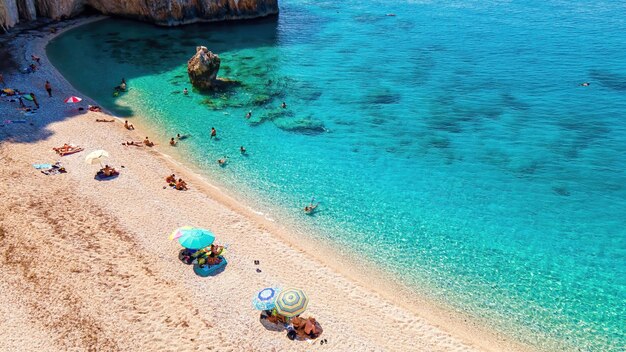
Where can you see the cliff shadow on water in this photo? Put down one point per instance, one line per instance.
(109, 50)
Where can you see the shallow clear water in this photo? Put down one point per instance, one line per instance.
(454, 136)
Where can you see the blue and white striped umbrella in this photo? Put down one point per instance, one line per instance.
(266, 298)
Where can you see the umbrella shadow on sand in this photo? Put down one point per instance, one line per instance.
(105, 178)
(268, 325)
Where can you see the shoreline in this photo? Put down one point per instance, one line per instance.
(447, 326)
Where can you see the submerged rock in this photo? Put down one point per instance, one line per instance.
(202, 68)
(305, 125)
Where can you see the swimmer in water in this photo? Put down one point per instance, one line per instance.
(242, 150)
(213, 132)
(172, 142)
(185, 91)
(181, 137)
(249, 114)
(222, 161)
(585, 84)
(283, 105)
(309, 209)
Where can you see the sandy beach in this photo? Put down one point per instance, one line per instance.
(86, 265)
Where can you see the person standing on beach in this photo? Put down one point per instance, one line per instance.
(32, 95)
(48, 88)
(213, 132)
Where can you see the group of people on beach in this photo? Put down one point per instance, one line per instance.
(178, 184)
(21, 97)
(297, 327)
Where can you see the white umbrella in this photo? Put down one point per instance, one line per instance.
(96, 157)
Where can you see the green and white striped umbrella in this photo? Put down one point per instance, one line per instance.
(291, 302)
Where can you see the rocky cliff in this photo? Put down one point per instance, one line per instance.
(162, 12)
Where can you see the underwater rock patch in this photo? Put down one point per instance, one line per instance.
(304, 125)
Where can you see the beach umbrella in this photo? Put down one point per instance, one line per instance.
(196, 238)
(291, 302)
(96, 157)
(72, 100)
(179, 232)
(266, 298)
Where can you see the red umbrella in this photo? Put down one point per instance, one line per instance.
(72, 100)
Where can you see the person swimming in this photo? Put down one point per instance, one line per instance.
(185, 91)
(242, 150)
(309, 209)
(121, 87)
(222, 161)
(249, 114)
(180, 137)
(172, 142)
(585, 84)
(283, 105)
(213, 132)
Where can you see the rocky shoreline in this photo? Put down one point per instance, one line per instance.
(160, 12)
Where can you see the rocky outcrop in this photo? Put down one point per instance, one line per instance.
(162, 12)
(202, 68)
(9, 15)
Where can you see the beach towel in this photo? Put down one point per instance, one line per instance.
(42, 166)
(52, 170)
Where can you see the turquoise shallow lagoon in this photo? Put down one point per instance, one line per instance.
(452, 143)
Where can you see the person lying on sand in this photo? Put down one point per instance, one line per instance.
(94, 108)
(105, 120)
(67, 149)
(133, 143)
(64, 148)
(147, 143)
(171, 180)
(181, 185)
(128, 125)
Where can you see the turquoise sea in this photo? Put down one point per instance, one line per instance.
(451, 143)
